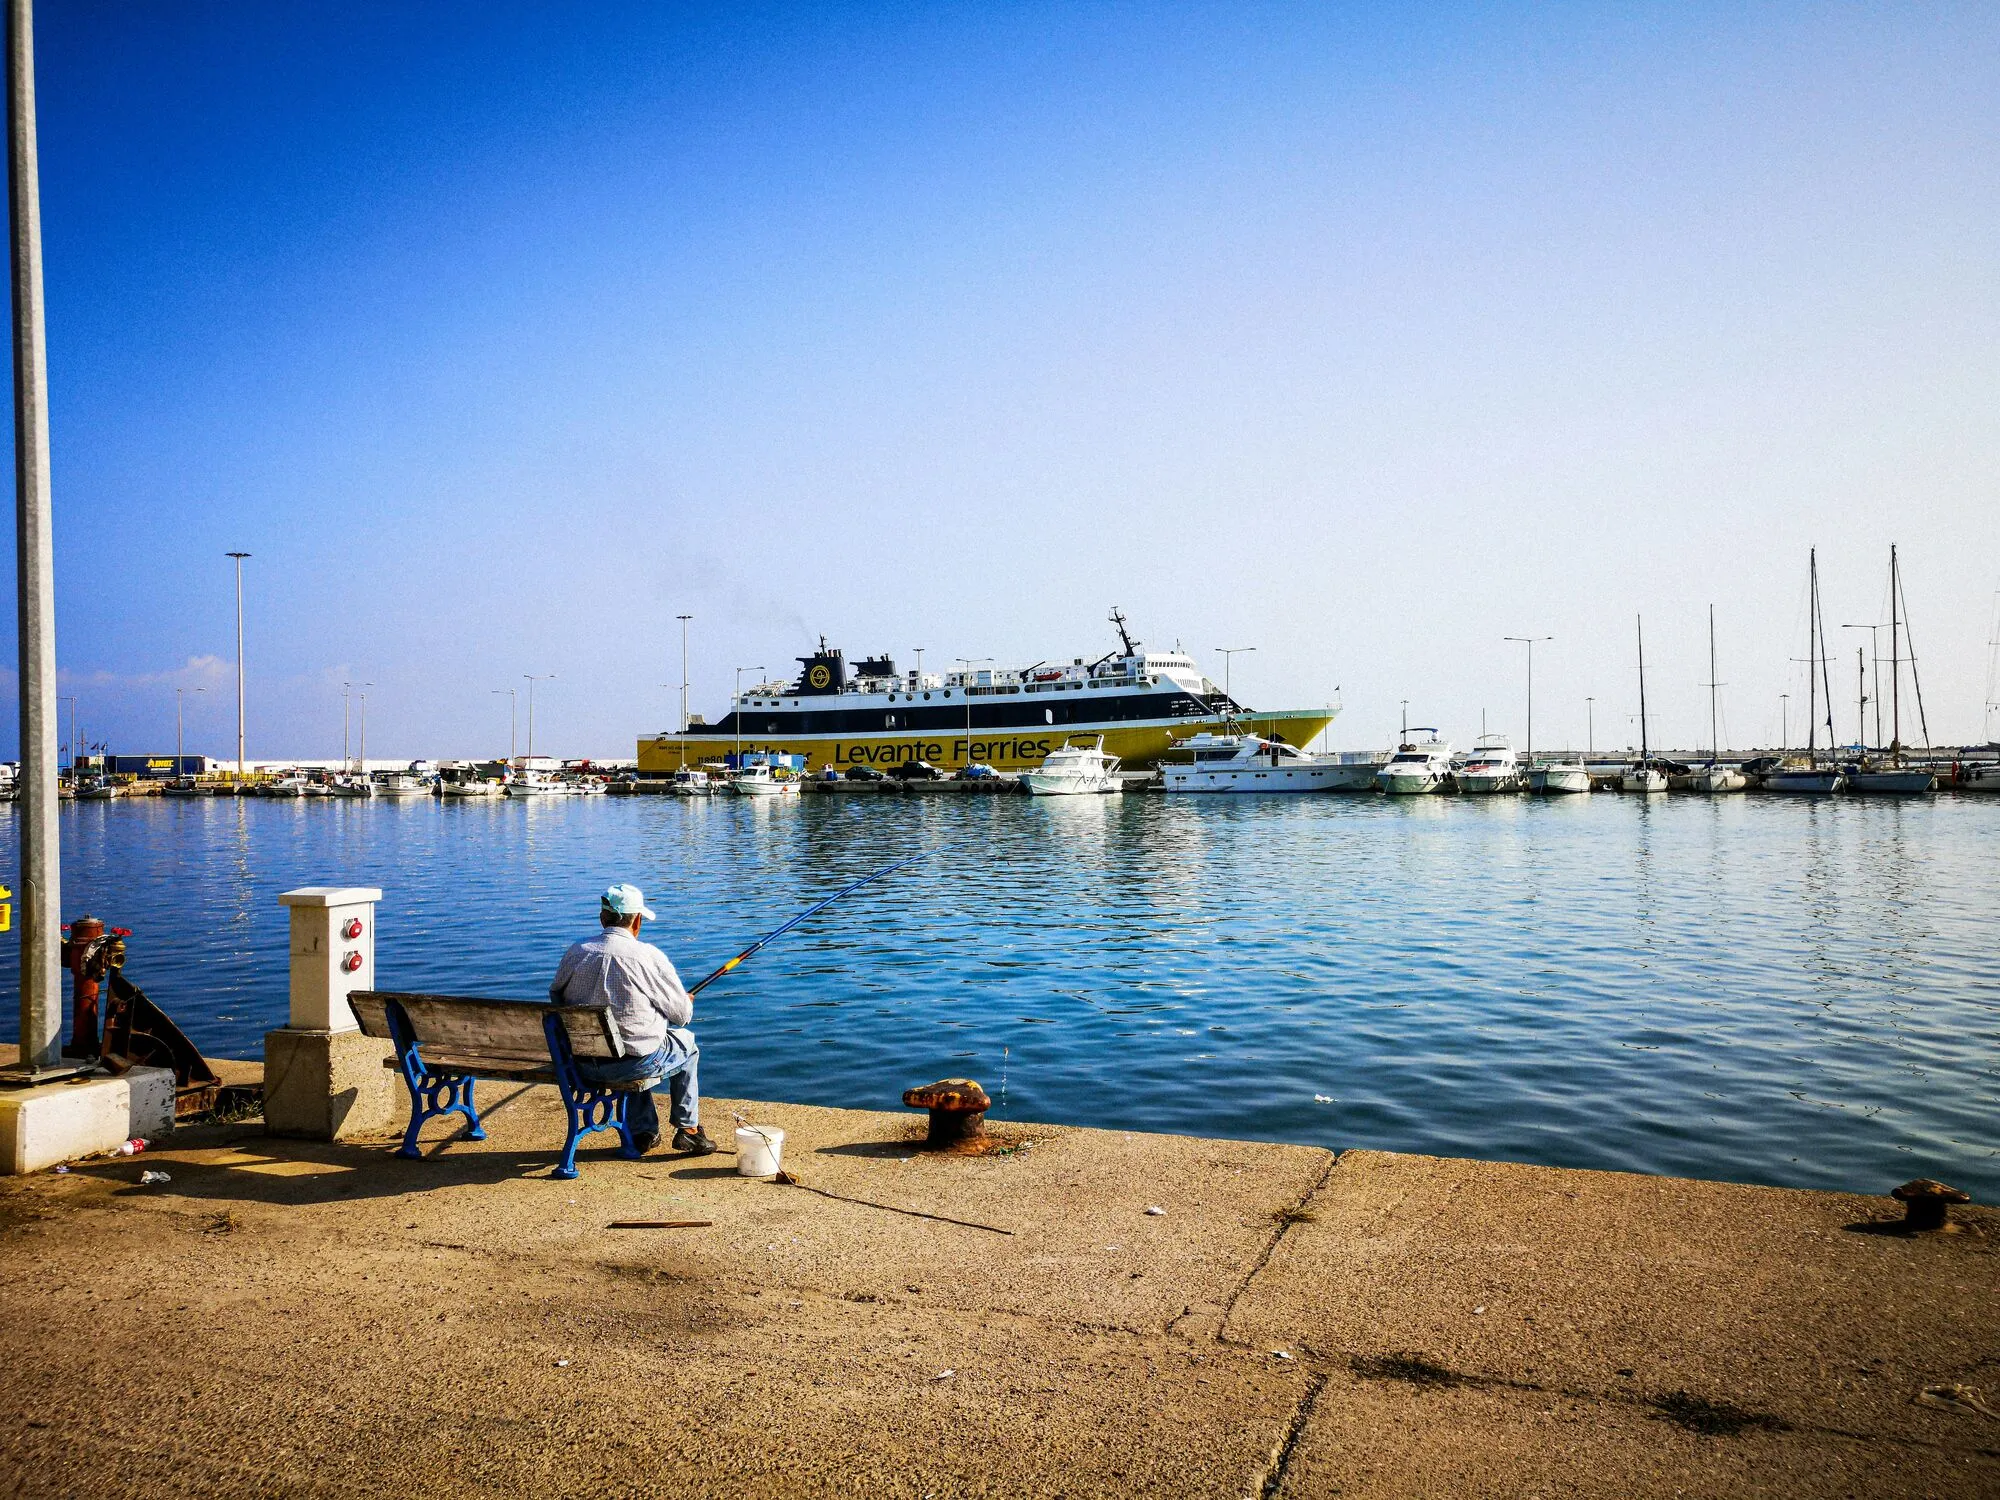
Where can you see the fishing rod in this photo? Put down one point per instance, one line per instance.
(696, 989)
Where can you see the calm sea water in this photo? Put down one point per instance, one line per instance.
(1767, 990)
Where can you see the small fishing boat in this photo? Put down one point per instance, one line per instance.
(401, 784)
(181, 786)
(480, 788)
(1251, 763)
(351, 786)
(284, 786)
(1073, 769)
(1492, 767)
(763, 781)
(1419, 766)
(96, 789)
(689, 781)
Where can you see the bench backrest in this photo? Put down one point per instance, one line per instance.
(467, 1032)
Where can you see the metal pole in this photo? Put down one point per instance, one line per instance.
(684, 680)
(239, 556)
(966, 664)
(1784, 722)
(346, 699)
(1589, 728)
(738, 709)
(532, 680)
(1529, 641)
(41, 848)
(512, 700)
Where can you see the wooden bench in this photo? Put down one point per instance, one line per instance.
(445, 1042)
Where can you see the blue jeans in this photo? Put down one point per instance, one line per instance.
(673, 1063)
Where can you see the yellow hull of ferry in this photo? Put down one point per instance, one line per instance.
(1138, 746)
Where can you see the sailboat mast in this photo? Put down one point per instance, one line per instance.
(1895, 663)
(1645, 751)
(1825, 663)
(1714, 735)
(1812, 614)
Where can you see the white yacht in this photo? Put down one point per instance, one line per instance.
(1492, 767)
(1251, 763)
(1559, 776)
(1418, 767)
(1072, 769)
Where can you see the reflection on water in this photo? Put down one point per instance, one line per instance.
(1782, 990)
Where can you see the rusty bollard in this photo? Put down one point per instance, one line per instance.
(1925, 1203)
(958, 1110)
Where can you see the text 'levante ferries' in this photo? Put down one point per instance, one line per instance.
(1140, 701)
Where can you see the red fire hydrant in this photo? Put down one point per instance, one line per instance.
(89, 952)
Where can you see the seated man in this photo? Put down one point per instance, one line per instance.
(652, 1010)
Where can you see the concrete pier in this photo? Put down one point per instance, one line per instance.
(320, 1317)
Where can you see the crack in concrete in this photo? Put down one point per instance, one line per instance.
(1281, 1454)
(1286, 1219)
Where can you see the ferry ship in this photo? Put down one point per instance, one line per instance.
(871, 714)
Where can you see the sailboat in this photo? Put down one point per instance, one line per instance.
(1644, 777)
(1812, 778)
(1715, 776)
(1890, 776)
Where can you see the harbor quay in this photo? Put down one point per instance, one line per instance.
(1066, 1312)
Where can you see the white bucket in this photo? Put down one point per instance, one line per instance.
(758, 1148)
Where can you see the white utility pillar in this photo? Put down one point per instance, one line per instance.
(333, 952)
(322, 1078)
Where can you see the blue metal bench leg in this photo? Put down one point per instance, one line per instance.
(588, 1106)
(431, 1094)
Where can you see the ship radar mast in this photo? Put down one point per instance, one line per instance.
(1118, 619)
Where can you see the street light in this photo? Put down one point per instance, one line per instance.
(532, 680)
(966, 664)
(1589, 729)
(738, 714)
(346, 693)
(1529, 641)
(511, 701)
(1229, 652)
(239, 556)
(180, 756)
(684, 681)
(1784, 722)
(70, 699)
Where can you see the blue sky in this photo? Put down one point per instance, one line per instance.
(1368, 336)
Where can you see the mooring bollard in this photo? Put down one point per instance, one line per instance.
(1926, 1203)
(958, 1110)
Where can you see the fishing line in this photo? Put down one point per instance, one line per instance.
(817, 906)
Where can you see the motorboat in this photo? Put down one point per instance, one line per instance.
(471, 788)
(1977, 776)
(96, 789)
(352, 786)
(690, 781)
(181, 786)
(285, 786)
(1251, 763)
(1418, 767)
(1559, 777)
(763, 781)
(1491, 767)
(1073, 769)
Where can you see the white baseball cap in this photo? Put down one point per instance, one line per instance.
(627, 901)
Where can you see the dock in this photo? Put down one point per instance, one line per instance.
(1074, 1312)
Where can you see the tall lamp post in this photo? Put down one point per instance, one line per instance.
(1530, 641)
(684, 680)
(1228, 655)
(1589, 729)
(239, 556)
(180, 753)
(532, 680)
(40, 835)
(511, 702)
(1784, 722)
(966, 664)
(737, 710)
